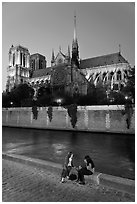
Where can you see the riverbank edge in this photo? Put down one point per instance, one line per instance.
(71, 130)
(118, 183)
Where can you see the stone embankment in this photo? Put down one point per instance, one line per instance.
(114, 119)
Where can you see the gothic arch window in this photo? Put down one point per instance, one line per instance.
(20, 58)
(13, 59)
(24, 60)
(40, 64)
(111, 75)
(33, 64)
(98, 79)
(91, 78)
(119, 76)
(125, 73)
(104, 76)
(96, 75)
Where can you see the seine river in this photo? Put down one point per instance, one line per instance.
(112, 153)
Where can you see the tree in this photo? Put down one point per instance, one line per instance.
(129, 89)
(101, 94)
(116, 98)
(5, 100)
(44, 96)
(21, 94)
(72, 112)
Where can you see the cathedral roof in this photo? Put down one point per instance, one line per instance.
(41, 72)
(18, 47)
(49, 70)
(114, 58)
(37, 54)
(59, 74)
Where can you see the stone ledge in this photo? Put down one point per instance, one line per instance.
(123, 184)
(127, 132)
(118, 183)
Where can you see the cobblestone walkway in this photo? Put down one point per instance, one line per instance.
(24, 183)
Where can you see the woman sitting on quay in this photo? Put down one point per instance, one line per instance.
(87, 169)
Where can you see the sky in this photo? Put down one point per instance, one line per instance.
(41, 27)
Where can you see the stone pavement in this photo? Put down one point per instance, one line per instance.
(26, 183)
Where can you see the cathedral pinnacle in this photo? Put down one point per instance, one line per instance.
(119, 49)
(52, 58)
(59, 48)
(68, 51)
(53, 55)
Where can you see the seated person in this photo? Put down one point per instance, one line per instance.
(87, 169)
(67, 166)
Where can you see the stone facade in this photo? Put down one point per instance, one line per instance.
(18, 69)
(37, 62)
(60, 58)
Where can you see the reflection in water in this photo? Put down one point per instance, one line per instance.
(112, 154)
(131, 149)
(58, 148)
(73, 138)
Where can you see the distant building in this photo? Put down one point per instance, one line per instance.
(67, 71)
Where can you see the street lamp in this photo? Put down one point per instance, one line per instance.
(59, 101)
(11, 103)
(126, 97)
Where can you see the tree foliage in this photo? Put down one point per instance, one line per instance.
(72, 112)
(101, 94)
(129, 89)
(50, 113)
(5, 100)
(19, 96)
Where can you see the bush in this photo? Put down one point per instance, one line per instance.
(72, 112)
(50, 113)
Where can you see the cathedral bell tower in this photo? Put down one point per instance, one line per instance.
(75, 52)
(18, 68)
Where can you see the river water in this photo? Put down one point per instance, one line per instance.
(112, 154)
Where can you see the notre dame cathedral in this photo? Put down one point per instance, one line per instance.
(67, 71)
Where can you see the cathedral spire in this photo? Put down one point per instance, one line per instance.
(75, 33)
(75, 52)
